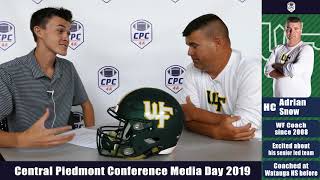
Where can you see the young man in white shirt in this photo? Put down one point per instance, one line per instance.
(221, 95)
(291, 64)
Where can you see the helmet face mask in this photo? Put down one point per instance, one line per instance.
(150, 121)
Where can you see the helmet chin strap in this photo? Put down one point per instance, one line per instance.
(153, 151)
(142, 156)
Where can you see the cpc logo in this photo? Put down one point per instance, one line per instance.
(37, 1)
(291, 6)
(174, 78)
(141, 33)
(108, 80)
(7, 35)
(76, 35)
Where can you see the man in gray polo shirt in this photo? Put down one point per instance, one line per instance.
(37, 90)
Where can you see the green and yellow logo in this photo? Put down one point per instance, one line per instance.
(215, 99)
(158, 111)
(284, 58)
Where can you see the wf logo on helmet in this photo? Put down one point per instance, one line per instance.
(76, 35)
(141, 33)
(174, 78)
(159, 112)
(108, 79)
(7, 35)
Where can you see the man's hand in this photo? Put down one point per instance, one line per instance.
(39, 136)
(278, 67)
(223, 130)
(189, 109)
(276, 74)
(226, 131)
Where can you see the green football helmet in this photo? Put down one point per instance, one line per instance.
(150, 122)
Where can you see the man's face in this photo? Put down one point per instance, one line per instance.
(293, 31)
(202, 50)
(55, 35)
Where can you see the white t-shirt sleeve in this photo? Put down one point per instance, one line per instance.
(190, 86)
(304, 63)
(268, 66)
(248, 104)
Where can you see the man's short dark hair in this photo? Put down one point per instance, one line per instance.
(293, 19)
(42, 16)
(204, 21)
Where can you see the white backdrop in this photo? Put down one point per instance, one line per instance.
(107, 38)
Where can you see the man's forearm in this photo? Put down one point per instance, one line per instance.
(224, 130)
(88, 113)
(204, 116)
(201, 128)
(8, 139)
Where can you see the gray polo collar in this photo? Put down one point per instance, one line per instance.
(36, 70)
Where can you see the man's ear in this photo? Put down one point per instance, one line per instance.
(215, 42)
(38, 31)
(218, 40)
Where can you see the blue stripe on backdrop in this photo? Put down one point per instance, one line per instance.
(281, 7)
(183, 170)
(291, 107)
(289, 129)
